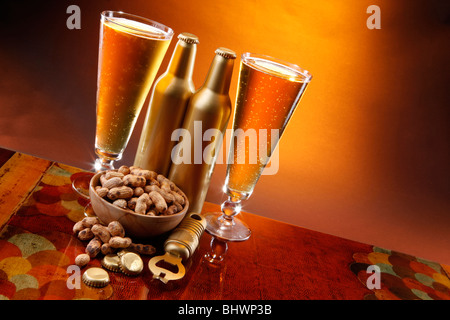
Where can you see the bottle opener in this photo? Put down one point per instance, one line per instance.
(179, 246)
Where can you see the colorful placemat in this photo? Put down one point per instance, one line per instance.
(37, 246)
(401, 276)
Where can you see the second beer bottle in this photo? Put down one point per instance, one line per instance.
(205, 122)
(167, 107)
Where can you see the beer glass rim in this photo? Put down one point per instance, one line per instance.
(302, 75)
(167, 32)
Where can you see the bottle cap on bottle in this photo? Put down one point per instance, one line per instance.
(188, 37)
(226, 53)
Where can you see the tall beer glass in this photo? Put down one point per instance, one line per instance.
(130, 53)
(268, 93)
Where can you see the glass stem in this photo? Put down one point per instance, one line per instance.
(230, 208)
(102, 164)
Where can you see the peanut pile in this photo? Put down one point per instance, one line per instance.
(142, 191)
(104, 239)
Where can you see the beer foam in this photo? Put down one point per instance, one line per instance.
(275, 67)
(136, 28)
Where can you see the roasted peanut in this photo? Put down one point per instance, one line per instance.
(113, 183)
(101, 232)
(85, 234)
(178, 197)
(132, 180)
(88, 222)
(93, 247)
(120, 193)
(77, 227)
(152, 181)
(158, 200)
(179, 206)
(106, 249)
(103, 179)
(146, 249)
(124, 170)
(116, 229)
(113, 174)
(119, 242)
(168, 197)
(171, 210)
(121, 203)
(131, 204)
(102, 191)
(147, 174)
(138, 191)
(142, 204)
(82, 260)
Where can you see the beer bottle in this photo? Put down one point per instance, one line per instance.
(209, 108)
(167, 107)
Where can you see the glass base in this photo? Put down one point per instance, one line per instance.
(228, 229)
(81, 184)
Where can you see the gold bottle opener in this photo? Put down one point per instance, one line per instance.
(179, 246)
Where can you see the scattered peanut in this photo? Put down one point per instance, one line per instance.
(93, 247)
(119, 242)
(106, 249)
(146, 249)
(85, 234)
(77, 227)
(88, 222)
(116, 229)
(105, 240)
(82, 260)
(102, 232)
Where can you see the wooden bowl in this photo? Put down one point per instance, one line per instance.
(135, 225)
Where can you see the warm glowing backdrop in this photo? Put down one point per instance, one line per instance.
(365, 157)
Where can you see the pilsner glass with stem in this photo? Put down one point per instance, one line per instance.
(269, 91)
(131, 49)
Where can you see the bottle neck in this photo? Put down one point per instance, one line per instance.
(219, 75)
(182, 62)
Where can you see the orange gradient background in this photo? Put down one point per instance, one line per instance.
(366, 155)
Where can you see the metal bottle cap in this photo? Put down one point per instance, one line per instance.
(111, 262)
(131, 263)
(188, 37)
(226, 53)
(96, 277)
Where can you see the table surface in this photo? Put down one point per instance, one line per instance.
(38, 209)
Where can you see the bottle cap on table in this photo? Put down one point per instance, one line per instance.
(96, 277)
(130, 263)
(111, 262)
